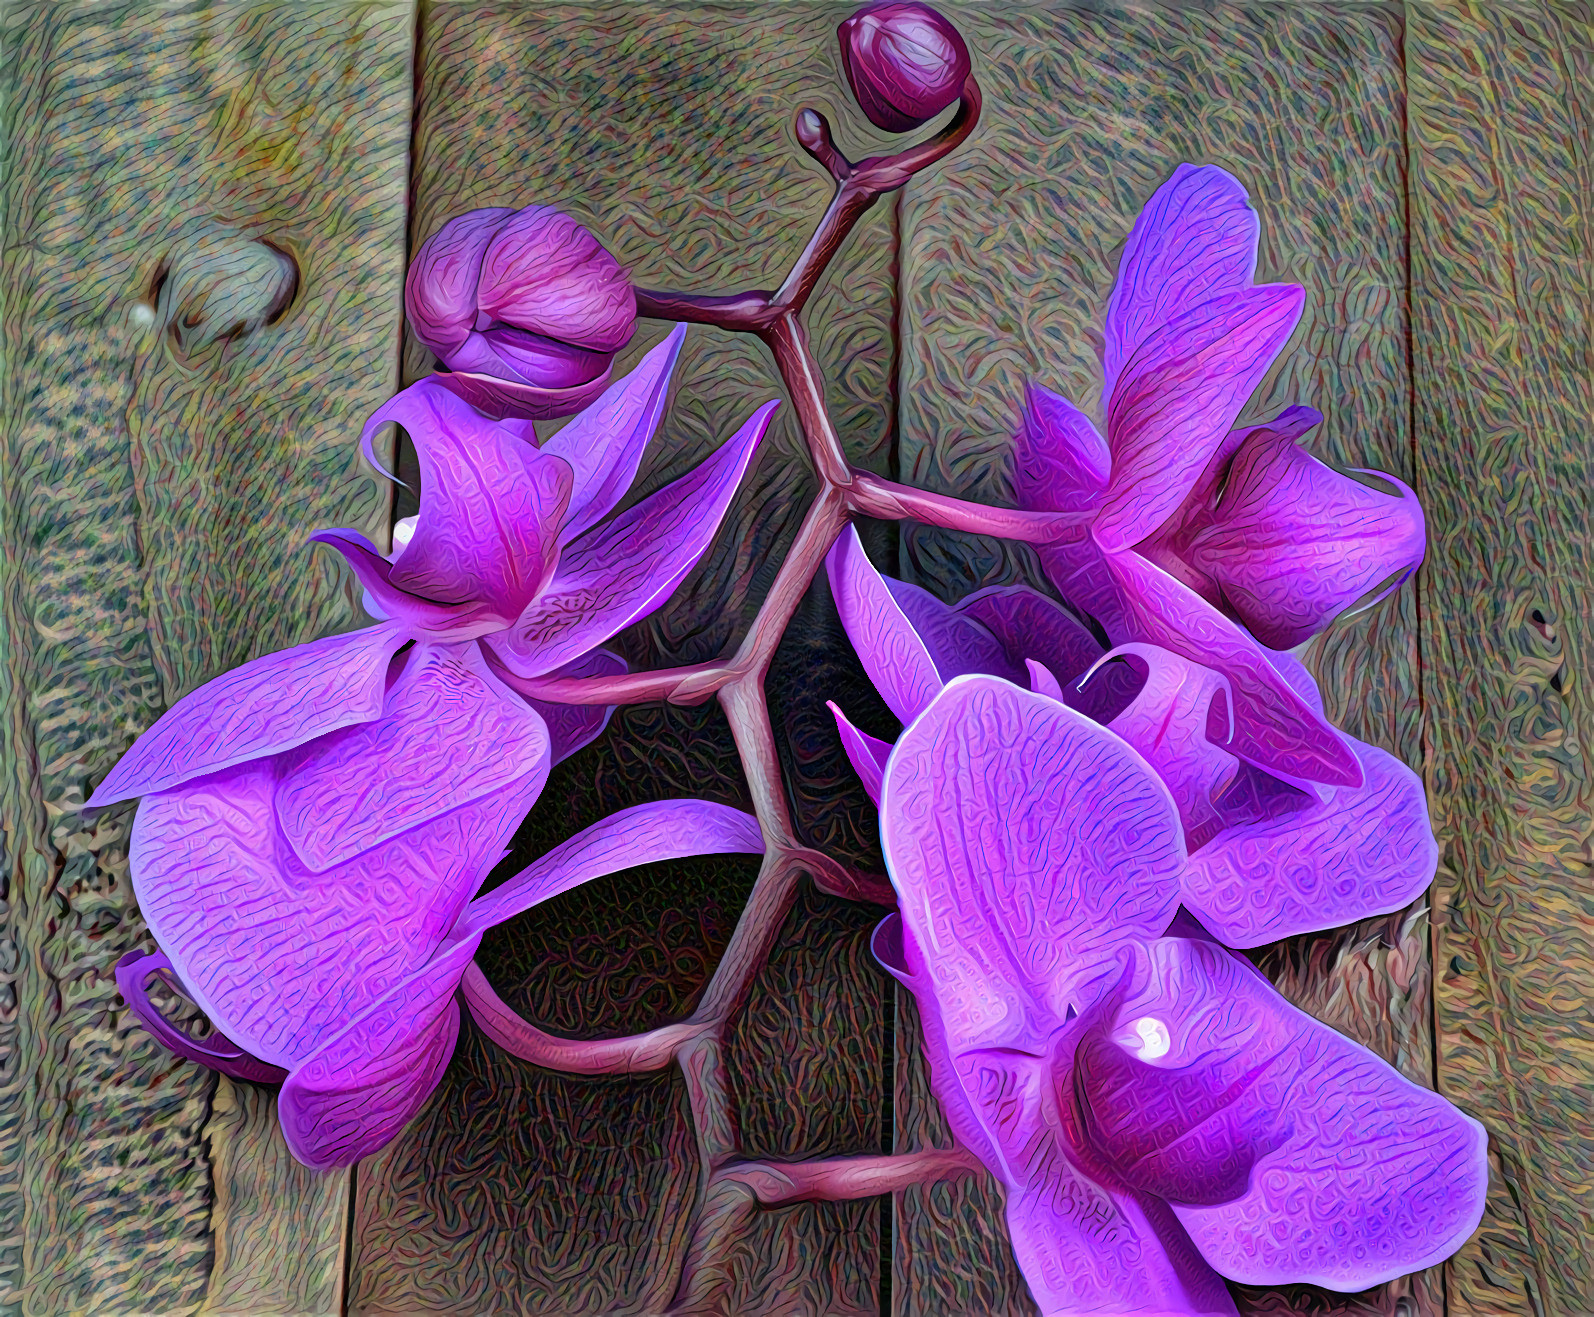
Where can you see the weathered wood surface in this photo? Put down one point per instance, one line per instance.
(523, 1190)
(155, 507)
(1009, 250)
(1502, 151)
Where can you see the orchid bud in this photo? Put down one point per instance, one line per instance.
(525, 307)
(905, 62)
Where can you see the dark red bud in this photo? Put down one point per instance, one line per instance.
(905, 62)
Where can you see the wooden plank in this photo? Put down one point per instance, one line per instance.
(155, 506)
(1502, 134)
(1009, 252)
(667, 130)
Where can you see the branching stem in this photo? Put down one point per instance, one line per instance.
(730, 1189)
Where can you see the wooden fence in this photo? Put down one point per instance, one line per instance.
(1425, 169)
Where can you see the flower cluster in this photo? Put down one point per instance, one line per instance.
(315, 823)
(1078, 835)
(1091, 805)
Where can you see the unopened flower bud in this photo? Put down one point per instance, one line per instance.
(525, 307)
(905, 62)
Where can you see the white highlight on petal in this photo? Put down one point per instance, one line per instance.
(403, 533)
(1154, 1039)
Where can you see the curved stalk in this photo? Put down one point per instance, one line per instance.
(730, 1190)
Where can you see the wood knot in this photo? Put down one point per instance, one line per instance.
(219, 283)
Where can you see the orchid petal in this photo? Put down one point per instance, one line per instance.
(1358, 852)
(491, 504)
(356, 1091)
(1030, 626)
(1274, 727)
(866, 754)
(604, 443)
(525, 358)
(624, 569)
(502, 400)
(643, 834)
(1197, 509)
(281, 958)
(1060, 460)
(218, 1052)
(450, 733)
(1293, 542)
(1353, 1174)
(1255, 796)
(1178, 398)
(572, 726)
(1297, 676)
(1042, 681)
(267, 705)
(1078, 570)
(353, 1094)
(1026, 842)
(547, 273)
(1107, 689)
(956, 641)
(407, 612)
(893, 652)
(1168, 546)
(1083, 1244)
(1193, 241)
(1169, 723)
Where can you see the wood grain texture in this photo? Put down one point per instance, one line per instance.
(1502, 133)
(155, 507)
(666, 130)
(1009, 252)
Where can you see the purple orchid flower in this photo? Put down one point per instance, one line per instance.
(1158, 1116)
(315, 820)
(1266, 860)
(342, 983)
(1196, 536)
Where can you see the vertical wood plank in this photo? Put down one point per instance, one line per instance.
(1502, 134)
(1010, 248)
(667, 129)
(155, 510)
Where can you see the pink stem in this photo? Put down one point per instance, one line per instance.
(868, 494)
(739, 684)
(634, 1054)
(839, 1178)
(875, 496)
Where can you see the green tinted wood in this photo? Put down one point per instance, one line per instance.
(1502, 131)
(668, 131)
(155, 508)
(1009, 252)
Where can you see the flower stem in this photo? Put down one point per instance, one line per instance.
(867, 494)
(728, 1192)
(631, 1055)
(837, 1179)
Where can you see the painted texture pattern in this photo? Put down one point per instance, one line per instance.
(566, 1195)
(1502, 130)
(1009, 250)
(155, 499)
(158, 488)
